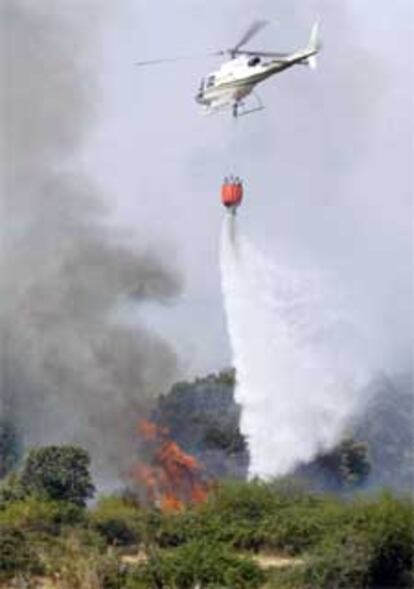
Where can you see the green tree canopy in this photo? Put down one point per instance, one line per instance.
(60, 473)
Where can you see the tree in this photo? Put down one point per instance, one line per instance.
(355, 464)
(348, 464)
(9, 447)
(345, 467)
(60, 473)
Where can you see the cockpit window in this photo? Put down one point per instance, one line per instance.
(210, 81)
(254, 60)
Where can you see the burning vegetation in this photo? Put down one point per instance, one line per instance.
(170, 477)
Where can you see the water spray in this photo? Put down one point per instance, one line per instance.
(298, 370)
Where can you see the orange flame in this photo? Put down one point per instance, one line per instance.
(173, 477)
(149, 431)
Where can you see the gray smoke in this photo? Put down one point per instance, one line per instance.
(71, 371)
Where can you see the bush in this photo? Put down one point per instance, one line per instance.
(207, 564)
(340, 562)
(297, 528)
(11, 489)
(118, 521)
(173, 529)
(373, 548)
(258, 515)
(286, 578)
(92, 570)
(79, 557)
(37, 515)
(391, 533)
(359, 541)
(16, 556)
(235, 501)
(250, 516)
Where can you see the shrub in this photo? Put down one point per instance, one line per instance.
(172, 530)
(11, 489)
(300, 527)
(111, 574)
(391, 533)
(242, 501)
(38, 515)
(286, 578)
(199, 562)
(340, 562)
(372, 548)
(16, 556)
(259, 515)
(79, 557)
(92, 570)
(117, 520)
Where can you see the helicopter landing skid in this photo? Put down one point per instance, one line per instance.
(208, 112)
(240, 111)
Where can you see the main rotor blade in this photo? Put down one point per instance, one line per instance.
(263, 54)
(254, 28)
(174, 59)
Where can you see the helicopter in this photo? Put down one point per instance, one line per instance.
(228, 87)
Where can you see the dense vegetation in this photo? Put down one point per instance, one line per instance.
(204, 418)
(311, 540)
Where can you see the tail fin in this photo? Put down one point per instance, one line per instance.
(314, 46)
(314, 43)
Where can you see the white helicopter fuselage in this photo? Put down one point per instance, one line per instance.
(228, 86)
(236, 78)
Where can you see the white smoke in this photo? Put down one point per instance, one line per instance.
(298, 360)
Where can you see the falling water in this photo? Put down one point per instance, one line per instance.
(297, 358)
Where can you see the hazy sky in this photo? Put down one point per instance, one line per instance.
(327, 165)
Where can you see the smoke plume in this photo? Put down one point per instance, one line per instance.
(300, 369)
(70, 372)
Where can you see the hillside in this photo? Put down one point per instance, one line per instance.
(203, 418)
(240, 534)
